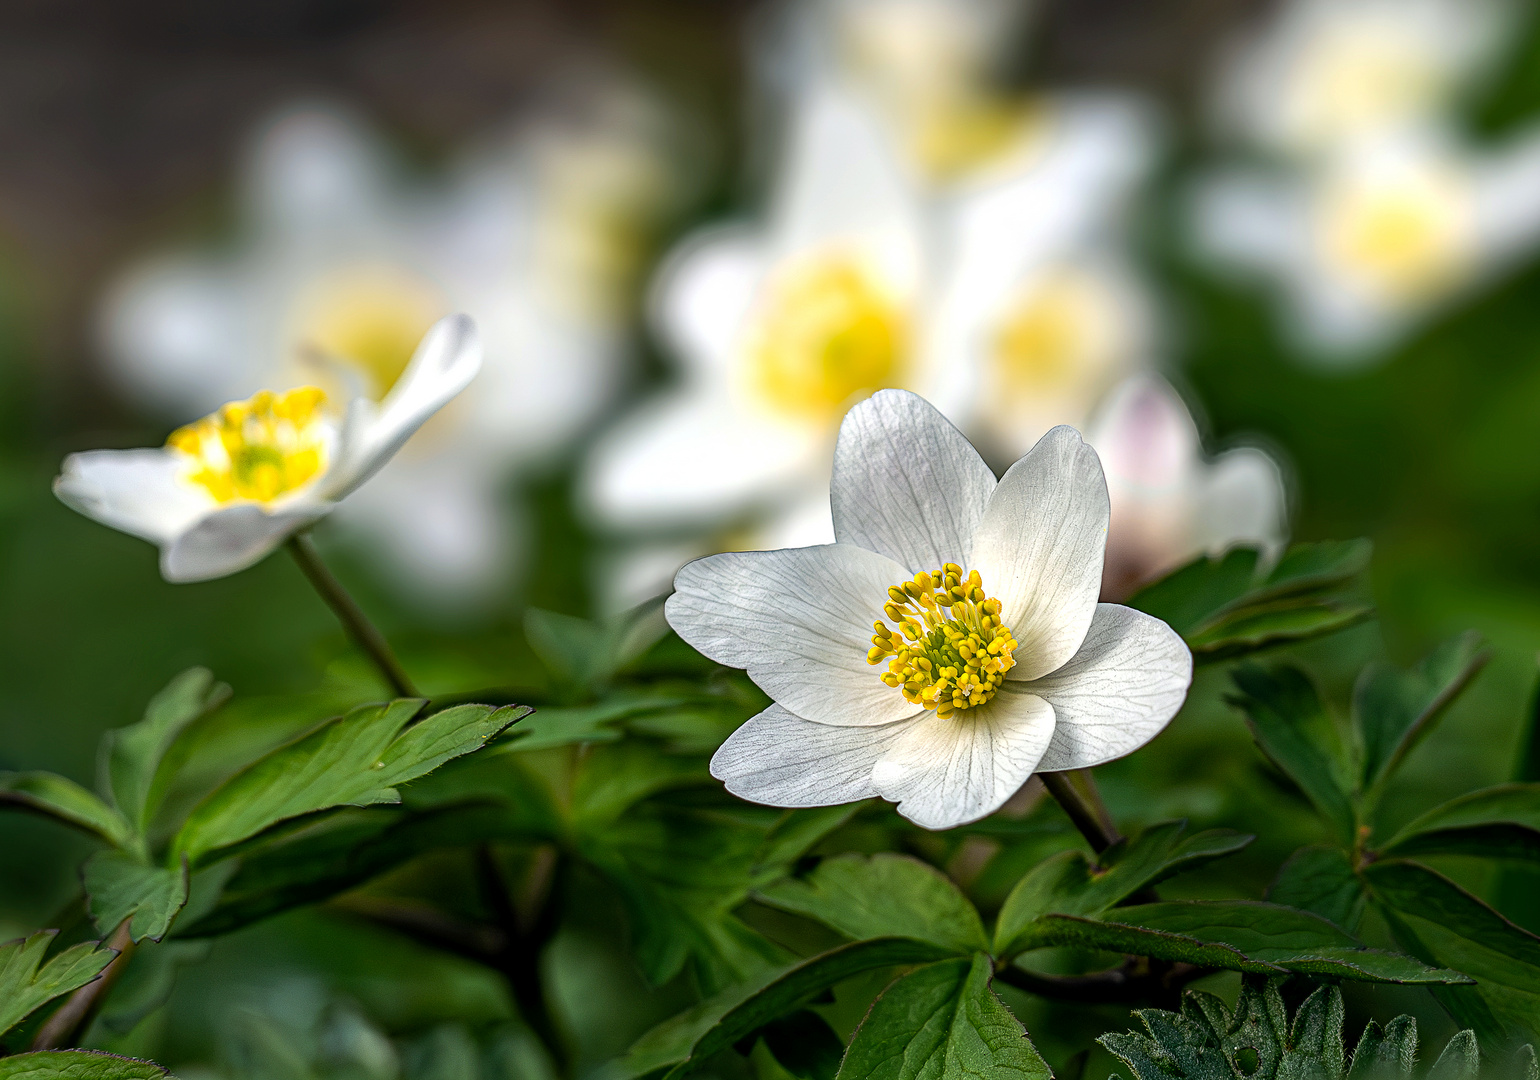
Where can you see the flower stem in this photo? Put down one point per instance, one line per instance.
(69, 1022)
(352, 617)
(1099, 833)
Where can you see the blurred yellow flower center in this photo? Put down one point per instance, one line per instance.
(826, 332)
(1054, 334)
(948, 650)
(949, 138)
(1404, 239)
(1362, 77)
(259, 449)
(372, 320)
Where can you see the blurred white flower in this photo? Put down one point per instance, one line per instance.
(342, 264)
(1324, 73)
(777, 328)
(1378, 237)
(999, 662)
(225, 491)
(1169, 503)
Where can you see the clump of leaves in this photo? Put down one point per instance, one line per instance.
(1257, 1041)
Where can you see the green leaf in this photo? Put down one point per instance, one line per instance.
(132, 755)
(1440, 922)
(1393, 709)
(942, 1022)
(65, 800)
(1293, 729)
(1461, 1059)
(883, 895)
(78, 1065)
(1320, 879)
(1225, 608)
(120, 886)
(1382, 1053)
(1068, 884)
(798, 988)
(352, 760)
(1237, 935)
(1500, 822)
(582, 653)
(27, 983)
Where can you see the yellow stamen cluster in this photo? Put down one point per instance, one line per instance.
(259, 449)
(950, 650)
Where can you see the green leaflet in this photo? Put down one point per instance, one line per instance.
(1207, 1041)
(353, 760)
(119, 886)
(1237, 935)
(1394, 709)
(942, 1022)
(787, 994)
(1225, 608)
(45, 793)
(1438, 921)
(1068, 884)
(1293, 729)
(883, 895)
(132, 755)
(26, 982)
(1321, 880)
(78, 1065)
(1500, 822)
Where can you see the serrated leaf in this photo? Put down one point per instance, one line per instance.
(1188, 596)
(78, 1065)
(797, 988)
(352, 760)
(883, 895)
(1501, 822)
(942, 1022)
(1068, 884)
(1385, 1053)
(1293, 729)
(27, 983)
(1393, 709)
(120, 886)
(1435, 919)
(1259, 626)
(132, 755)
(1238, 935)
(1320, 879)
(64, 800)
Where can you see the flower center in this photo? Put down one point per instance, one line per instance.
(1362, 76)
(949, 651)
(826, 333)
(258, 449)
(1405, 238)
(1068, 329)
(372, 319)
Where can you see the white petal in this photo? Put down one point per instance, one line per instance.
(1241, 501)
(1124, 685)
(1145, 437)
(232, 539)
(444, 364)
(907, 483)
(1040, 546)
(947, 772)
(800, 622)
(780, 759)
(693, 458)
(137, 491)
(703, 293)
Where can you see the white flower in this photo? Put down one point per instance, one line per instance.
(1328, 72)
(991, 660)
(777, 329)
(1169, 504)
(225, 491)
(1379, 236)
(536, 232)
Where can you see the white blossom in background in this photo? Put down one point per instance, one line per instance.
(1325, 73)
(992, 658)
(1169, 502)
(225, 491)
(1382, 235)
(342, 262)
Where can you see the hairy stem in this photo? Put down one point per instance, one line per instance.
(354, 621)
(527, 928)
(1099, 833)
(69, 1022)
